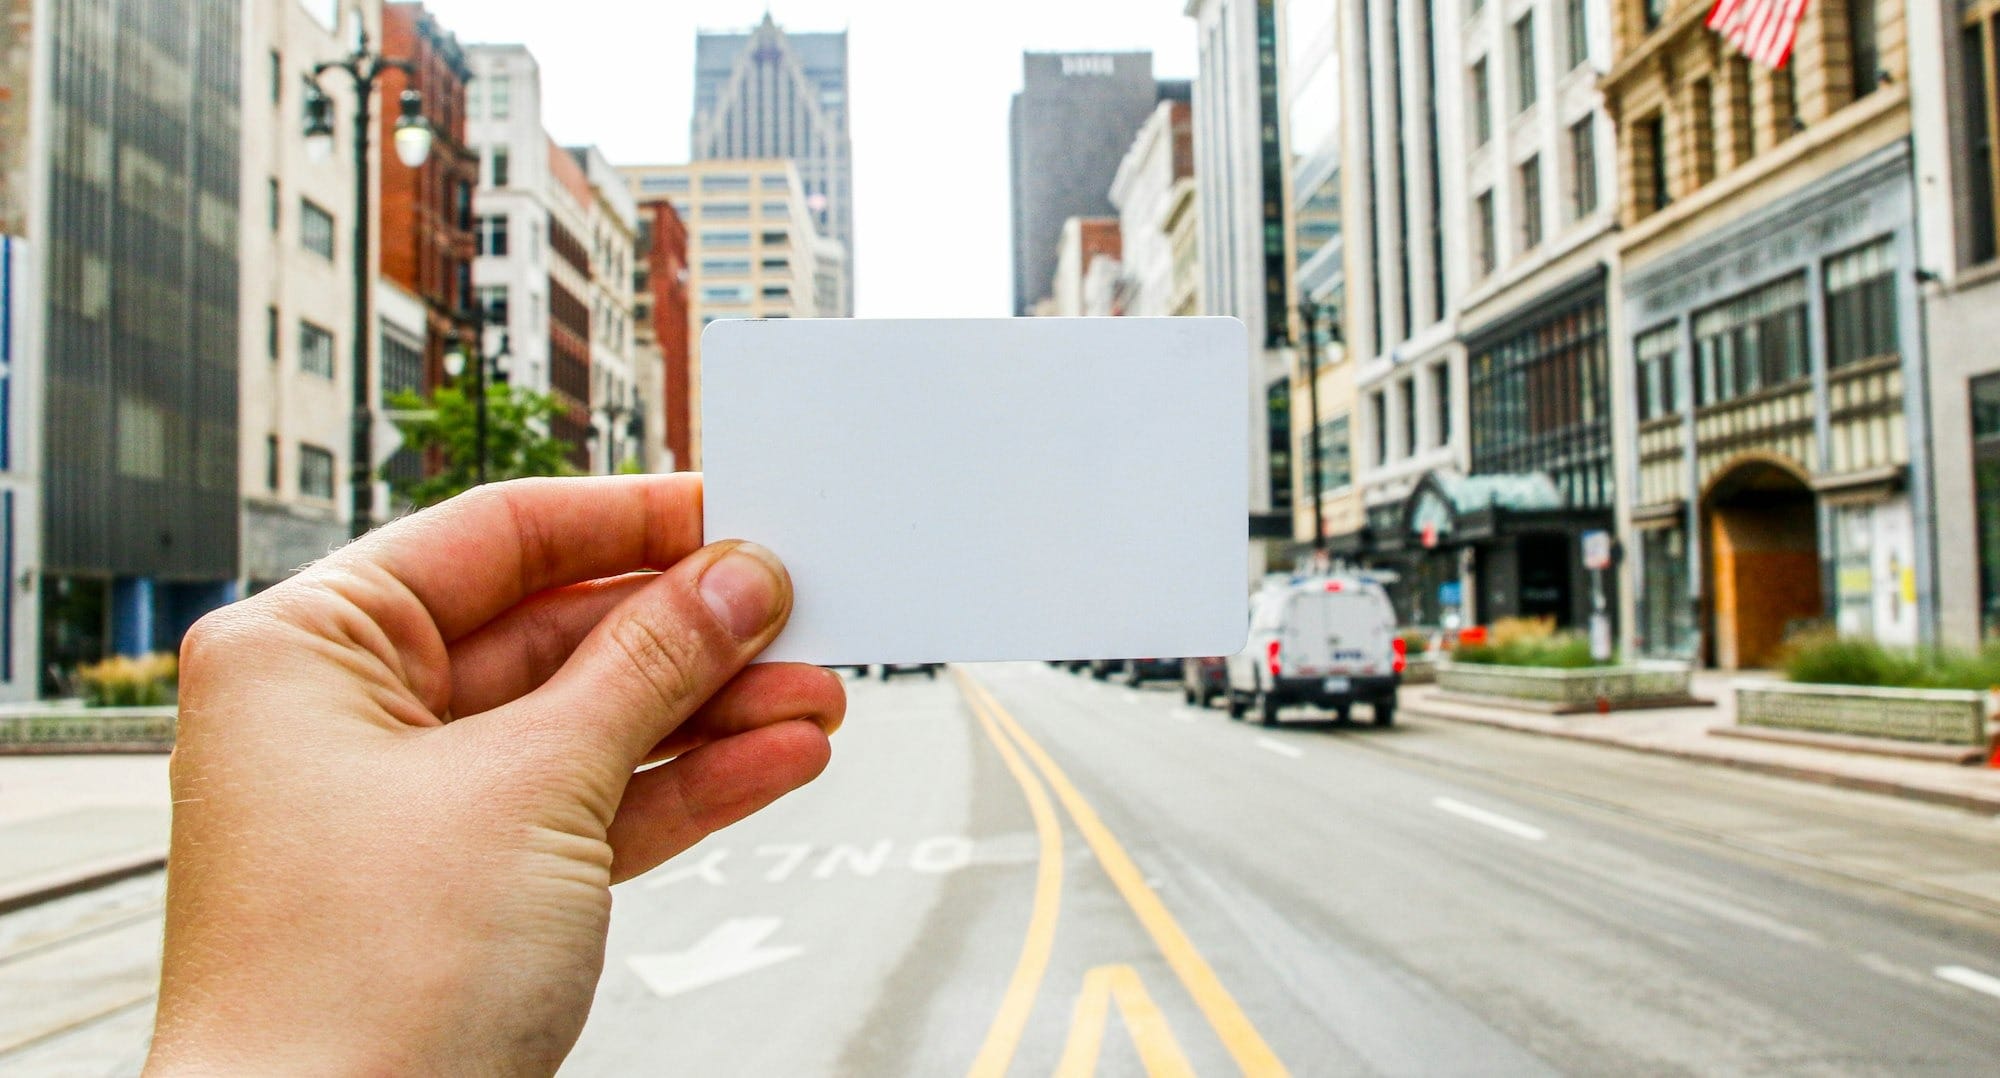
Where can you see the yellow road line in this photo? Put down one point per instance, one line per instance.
(1253, 1056)
(1003, 1037)
(1159, 1052)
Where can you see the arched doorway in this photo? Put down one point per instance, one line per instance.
(1763, 561)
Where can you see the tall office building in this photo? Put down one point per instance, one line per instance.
(1070, 128)
(133, 225)
(769, 94)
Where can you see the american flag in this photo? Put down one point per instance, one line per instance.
(1763, 30)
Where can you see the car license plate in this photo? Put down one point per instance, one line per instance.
(1339, 684)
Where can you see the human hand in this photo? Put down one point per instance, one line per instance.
(404, 783)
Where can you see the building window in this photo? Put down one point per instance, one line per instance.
(726, 211)
(315, 350)
(724, 183)
(315, 473)
(402, 366)
(1531, 203)
(777, 291)
(774, 181)
(503, 166)
(1336, 455)
(277, 204)
(1576, 27)
(277, 77)
(315, 229)
(725, 293)
(724, 267)
(1861, 304)
(1582, 169)
(1666, 605)
(1378, 404)
(272, 332)
(272, 452)
(500, 96)
(1409, 417)
(776, 265)
(1701, 126)
(1752, 342)
(493, 300)
(1278, 408)
(1658, 383)
(674, 184)
(725, 239)
(1649, 147)
(1864, 55)
(1986, 457)
(777, 209)
(777, 239)
(492, 230)
(1487, 237)
(1539, 401)
(1482, 104)
(1441, 402)
(1980, 42)
(1525, 88)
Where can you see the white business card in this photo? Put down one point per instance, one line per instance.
(984, 490)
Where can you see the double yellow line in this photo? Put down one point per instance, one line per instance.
(1231, 1025)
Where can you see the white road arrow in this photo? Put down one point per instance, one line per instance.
(733, 949)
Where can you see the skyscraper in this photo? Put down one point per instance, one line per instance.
(1070, 127)
(769, 94)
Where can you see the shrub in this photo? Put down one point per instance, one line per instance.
(1826, 659)
(121, 681)
(1550, 649)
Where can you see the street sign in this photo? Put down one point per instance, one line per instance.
(1452, 594)
(1597, 551)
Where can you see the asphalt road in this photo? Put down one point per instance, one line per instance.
(1011, 870)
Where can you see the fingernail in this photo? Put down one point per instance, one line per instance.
(743, 590)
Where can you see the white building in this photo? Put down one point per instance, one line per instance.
(1155, 172)
(615, 401)
(1239, 170)
(297, 290)
(531, 212)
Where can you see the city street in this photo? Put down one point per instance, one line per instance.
(1016, 870)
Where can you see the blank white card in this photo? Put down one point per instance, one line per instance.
(983, 490)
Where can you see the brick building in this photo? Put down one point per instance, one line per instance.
(661, 313)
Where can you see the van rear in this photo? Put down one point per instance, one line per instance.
(1329, 643)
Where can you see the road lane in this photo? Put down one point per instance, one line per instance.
(1615, 942)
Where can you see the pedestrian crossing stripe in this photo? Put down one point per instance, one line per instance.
(1159, 1052)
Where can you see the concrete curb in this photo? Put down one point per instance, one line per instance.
(74, 880)
(1890, 787)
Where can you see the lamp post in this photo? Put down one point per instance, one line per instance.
(471, 353)
(413, 147)
(1309, 313)
(615, 414)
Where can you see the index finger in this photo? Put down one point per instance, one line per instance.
(474, 557)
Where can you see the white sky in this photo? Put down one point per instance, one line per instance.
(930, 82)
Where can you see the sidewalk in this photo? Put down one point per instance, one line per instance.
(68, 823)
(1689, 733)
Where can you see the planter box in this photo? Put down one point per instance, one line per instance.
(1936, 717)
(1421, 670)
(1641, 685)
(59, 729)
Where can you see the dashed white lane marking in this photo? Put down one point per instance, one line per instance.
(1489, 819)
(1970, 978)
(1279, 747)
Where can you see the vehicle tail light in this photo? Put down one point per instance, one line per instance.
(1272, 653)
(1333, 585)
(1402, 650)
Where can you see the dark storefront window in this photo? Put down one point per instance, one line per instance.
(1981, 64)
(1666, 608)
(1657, 382)
(1864, 55)
(1986, 453)
(1336, 462)
(1861, 304)
(1753, 342)
(1540, 403)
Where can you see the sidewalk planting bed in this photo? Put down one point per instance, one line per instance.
(57, 730)
(1941, 716)
(1573, 690)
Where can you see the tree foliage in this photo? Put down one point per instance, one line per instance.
(517, 445)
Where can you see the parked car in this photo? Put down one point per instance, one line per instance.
(930, 670)
(1204, 679)
(1137, 672)
(1102, 669)
(1328, 642)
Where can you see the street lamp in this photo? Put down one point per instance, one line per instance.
(1309, 313)
(471, 354)
(413, 138)
(615, 414)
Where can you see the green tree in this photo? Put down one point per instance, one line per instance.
(516, 445)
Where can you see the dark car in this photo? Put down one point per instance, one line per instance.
(930, 670)
(1204, 679)
(1139, 671)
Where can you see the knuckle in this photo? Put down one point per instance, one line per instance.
(670, 660)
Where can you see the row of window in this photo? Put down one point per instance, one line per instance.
(315, 344)
(315, 222)
(678, 183)
(742, 293)
(315, 468)
(1759, 340)
(731, 239)
(1403, 396)
(1529, 211)
(1527, 89)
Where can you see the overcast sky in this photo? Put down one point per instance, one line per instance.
(930, 83)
